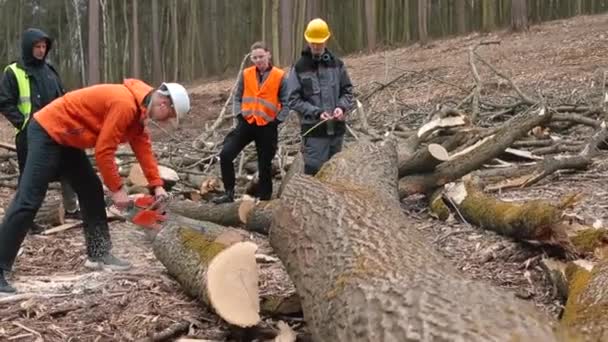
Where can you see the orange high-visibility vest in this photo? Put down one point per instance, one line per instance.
(260, 105)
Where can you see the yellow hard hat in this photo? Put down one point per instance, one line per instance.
(317, 31)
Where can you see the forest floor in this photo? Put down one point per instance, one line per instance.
(563, 59)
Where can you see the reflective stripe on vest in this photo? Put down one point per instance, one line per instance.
(260, 105)
(23, 83)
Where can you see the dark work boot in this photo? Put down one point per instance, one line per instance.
(107, 262)
(99, 245)
(227, 197)
(5, 287)
(35, 228)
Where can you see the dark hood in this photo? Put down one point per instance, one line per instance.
(30, 37)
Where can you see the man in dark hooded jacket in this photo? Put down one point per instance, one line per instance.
(27, 86)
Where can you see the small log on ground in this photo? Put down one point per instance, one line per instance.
(586, 311)
(226, 214)
(423, 160)
(536, 220)
(137, 177)
(474, 159)
(364, 273)
(51, 213)
(259, 217)
(214, 264)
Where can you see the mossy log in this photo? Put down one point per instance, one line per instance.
(474, 158)
(216, 265)
(586, 311)
(51, 213)
(226, 214)
(364, 273)
(523, 220)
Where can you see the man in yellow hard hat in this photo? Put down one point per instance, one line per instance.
(321, 93)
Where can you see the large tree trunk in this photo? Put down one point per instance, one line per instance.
(365, 274)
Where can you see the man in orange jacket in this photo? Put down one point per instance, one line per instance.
(101, 117)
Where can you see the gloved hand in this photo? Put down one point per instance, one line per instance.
(339, 114)
(160, 193)
(120, 198)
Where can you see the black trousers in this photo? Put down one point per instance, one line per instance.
(70, 202)
(265, 138)
(46, 162)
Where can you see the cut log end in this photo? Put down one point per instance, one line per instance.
(232, 284)
(247, 204)
(438, 152)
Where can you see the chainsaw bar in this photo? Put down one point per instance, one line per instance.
(144, 211)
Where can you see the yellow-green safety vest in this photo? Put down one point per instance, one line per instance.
(25, 102)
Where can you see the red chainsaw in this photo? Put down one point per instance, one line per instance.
(145, 211)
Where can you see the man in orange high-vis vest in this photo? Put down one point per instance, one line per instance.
(260, 105)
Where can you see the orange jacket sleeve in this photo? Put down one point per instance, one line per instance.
(120, 115)
(142, 147)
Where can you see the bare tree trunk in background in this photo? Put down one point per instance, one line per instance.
(93, 42)
(264, 15)
(300, 26)
(125, 51)
(135, 55)
(174, 15)
(312, 9)
(461, 25)
(275, 30)
(106, 46)
(422, 21)
(156, 67)
(286, 7)
(78, 35)
(488, 11)
(519, 15)
(370, 23)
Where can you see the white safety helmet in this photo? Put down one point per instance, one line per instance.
(179, 97)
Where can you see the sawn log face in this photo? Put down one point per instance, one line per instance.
(364, 274)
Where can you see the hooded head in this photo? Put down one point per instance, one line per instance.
(29, 39)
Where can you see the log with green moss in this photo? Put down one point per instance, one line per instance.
(523, 220)
(586, 311)
(364, 273)
(217, 265)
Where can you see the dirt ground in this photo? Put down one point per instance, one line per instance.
(565, 59)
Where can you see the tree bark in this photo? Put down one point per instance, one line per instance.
(519, 15)
(136, 66)
(586, 312)
(156, 63)
(461, 26)
(93, 69)
(364, 274)
(423, 36)
(370, 24)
